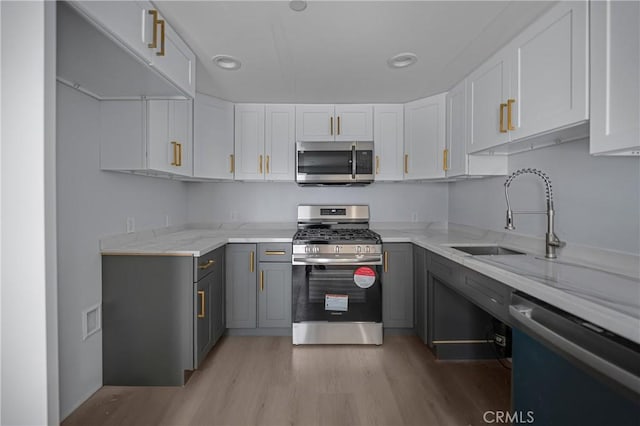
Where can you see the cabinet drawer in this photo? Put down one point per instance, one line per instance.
(445, 269)
(204, 265)
(274, 252)
(488, 293)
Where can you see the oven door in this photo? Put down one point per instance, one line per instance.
(337, 293)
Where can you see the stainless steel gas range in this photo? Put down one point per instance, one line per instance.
(337, 267)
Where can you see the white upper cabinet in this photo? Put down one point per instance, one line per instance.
(142, 30)
(212, 138)
(149, 137)
(264, 142)
(456, 162)
(321, 122)
(280, 143)
(388, 138)
(424, 143)
(535, 85)
(549, 85)
(615, 78)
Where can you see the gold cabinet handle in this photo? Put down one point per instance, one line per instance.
(175, 153)
(260, 164)
(179, 155)
(377, 165)
(161, 52)
(232, 164)
(201, 295)
(445, 160)
(207, 265)
(267, 164)
(154, 43)
(251, 257)
(261, 280)
(406, 164)
(386, 261)
(502, 129)
(338, 124)
(331, 124)
(275, 252)
(510, 125)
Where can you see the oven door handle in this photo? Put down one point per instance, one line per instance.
(372, 260)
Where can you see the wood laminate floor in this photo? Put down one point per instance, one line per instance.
(267, 381)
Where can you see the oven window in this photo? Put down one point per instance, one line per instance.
(329, 293)
(325, 162)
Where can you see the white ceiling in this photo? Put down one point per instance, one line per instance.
(336, 51)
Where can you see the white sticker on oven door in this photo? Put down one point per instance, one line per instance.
(364, 277)
(336, 302)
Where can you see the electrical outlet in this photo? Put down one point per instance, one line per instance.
(414, 217)
(166, 220)
(131, 225)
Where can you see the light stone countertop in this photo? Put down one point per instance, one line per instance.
(600, 286)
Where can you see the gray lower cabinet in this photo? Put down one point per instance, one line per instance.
(420, 292)
(209, 302)
(258, 286)
(241, 285)
(397, 286)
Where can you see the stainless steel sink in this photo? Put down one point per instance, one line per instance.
(486, 250)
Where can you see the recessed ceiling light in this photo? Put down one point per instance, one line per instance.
(298, 5)
(226, 62)
(402, 60)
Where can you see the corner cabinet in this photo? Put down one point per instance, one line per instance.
(388, 138)
(534, 86)
(212, 138)
(615, 78)
(148, 137)
(264, 142)
(142, 30)
(327, 122)
(424, 138)
(397, 286)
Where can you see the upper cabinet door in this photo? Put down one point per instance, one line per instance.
(249, 142)
(212, 138)
(615, 80)
(388, 137)
(455, 159)
(169, 136)
(280, 143)
(487, 93)
(315, 123)
(353, 123)
(424, 143)
(549, 73)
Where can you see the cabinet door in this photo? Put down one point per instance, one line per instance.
(218, 311)
(455, 162)
(249, 142)
(181, 131)
(162, 154)
(397, 286)
(203, 303)
(487, 90)
(615, 83)
(315, 123)
(212, 138)
(274, 295)
(280, 143)
(240, 268)
(425, 122)
(549, 72)
(353, 123)
(388, 137)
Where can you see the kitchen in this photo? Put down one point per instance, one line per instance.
(597, 210)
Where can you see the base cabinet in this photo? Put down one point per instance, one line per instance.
(420, 292)
(397, 286)
(274, 297)
(209, 303)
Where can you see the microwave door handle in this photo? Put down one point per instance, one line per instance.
(353, 161)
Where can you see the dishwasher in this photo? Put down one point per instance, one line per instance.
(569, 371)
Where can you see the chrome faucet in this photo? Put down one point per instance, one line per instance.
(552, 242)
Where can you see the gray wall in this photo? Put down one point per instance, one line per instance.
(277, 201)
(92, 204)
(597, 199)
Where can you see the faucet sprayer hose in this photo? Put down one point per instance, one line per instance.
(539, 173)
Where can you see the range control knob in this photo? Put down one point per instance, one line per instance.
(368, 249)
(337, 249)
(359, 249)
(316, 249)
(307, 249)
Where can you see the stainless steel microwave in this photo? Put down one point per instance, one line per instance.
(334, 163)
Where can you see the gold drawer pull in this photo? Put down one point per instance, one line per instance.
(275, 252)
(232, 164)
(377, 165)
(445, 160)
(502, 129)
(261, 280)
(161, 52)
(175, 153)
(207, 265)
(154, 43)
(510, 125)
(386, 261)
(338, 124)
(406, 164)
(331, 124)
(260, 164)
(201, 295)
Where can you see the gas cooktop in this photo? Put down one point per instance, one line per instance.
(332, 236)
